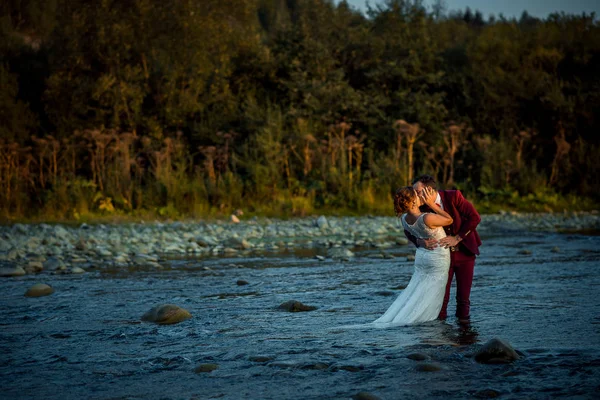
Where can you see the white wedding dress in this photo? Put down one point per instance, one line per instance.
(422, 299)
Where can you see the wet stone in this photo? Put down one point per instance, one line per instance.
(365, 396)
(295, 306)
(410, 257)
(39, 290)
(33, 267)
(242, 282)
(349, 368)
(205, 368)
(524, 252)
(384, 293)
(428, 367)
(8, 272)
(260, 359)
(496, 351)
(166, 314)
(418, 356)
(487, 394)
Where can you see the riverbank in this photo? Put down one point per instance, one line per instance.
(62, 249)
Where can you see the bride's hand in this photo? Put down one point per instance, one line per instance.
(429, 196)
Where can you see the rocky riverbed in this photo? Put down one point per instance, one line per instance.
(259, 310)
(60, 249)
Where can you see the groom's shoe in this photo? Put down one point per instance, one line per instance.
(463, 320)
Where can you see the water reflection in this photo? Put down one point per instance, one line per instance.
(463, 333)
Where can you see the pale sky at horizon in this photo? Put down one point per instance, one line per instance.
(510, 8)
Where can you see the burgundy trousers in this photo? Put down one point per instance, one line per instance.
(461, 266)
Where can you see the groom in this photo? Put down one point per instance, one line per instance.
(462, 239)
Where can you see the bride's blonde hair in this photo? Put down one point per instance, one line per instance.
(404, 199)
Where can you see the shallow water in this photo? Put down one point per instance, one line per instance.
(86, 340)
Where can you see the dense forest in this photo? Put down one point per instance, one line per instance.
(190, 108)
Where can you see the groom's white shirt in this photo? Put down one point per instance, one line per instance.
(438, 200)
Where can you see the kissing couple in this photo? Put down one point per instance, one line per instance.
(442, 225)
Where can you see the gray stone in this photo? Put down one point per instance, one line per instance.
(322, 222)
(77, 270)
(54, 264)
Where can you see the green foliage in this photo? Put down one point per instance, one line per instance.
(289, 107)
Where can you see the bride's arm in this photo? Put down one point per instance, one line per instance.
(441, 217)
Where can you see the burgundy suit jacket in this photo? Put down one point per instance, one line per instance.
(465, 217)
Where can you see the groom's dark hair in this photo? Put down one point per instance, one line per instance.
(426, 180)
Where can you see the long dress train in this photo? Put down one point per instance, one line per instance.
(422, 299)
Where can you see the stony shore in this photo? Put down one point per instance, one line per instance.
(61, 249)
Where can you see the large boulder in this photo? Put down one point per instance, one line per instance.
(166, 314)
(496, 351)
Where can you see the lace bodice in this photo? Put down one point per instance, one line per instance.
(420, 230)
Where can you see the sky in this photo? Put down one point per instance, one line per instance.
(511, 8)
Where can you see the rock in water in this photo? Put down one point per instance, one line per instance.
(39, 290)
(340, 253)
(205, 368)
(428, 367)
(166, 314)
(9, 272)
(365, 396)
(295, 306)
(417, 356)
(496, 351)
(235, 219)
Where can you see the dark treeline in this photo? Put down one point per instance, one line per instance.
(183, 108)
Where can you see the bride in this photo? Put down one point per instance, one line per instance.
(422, 299)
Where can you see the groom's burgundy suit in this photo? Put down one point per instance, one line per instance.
(462, 259)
